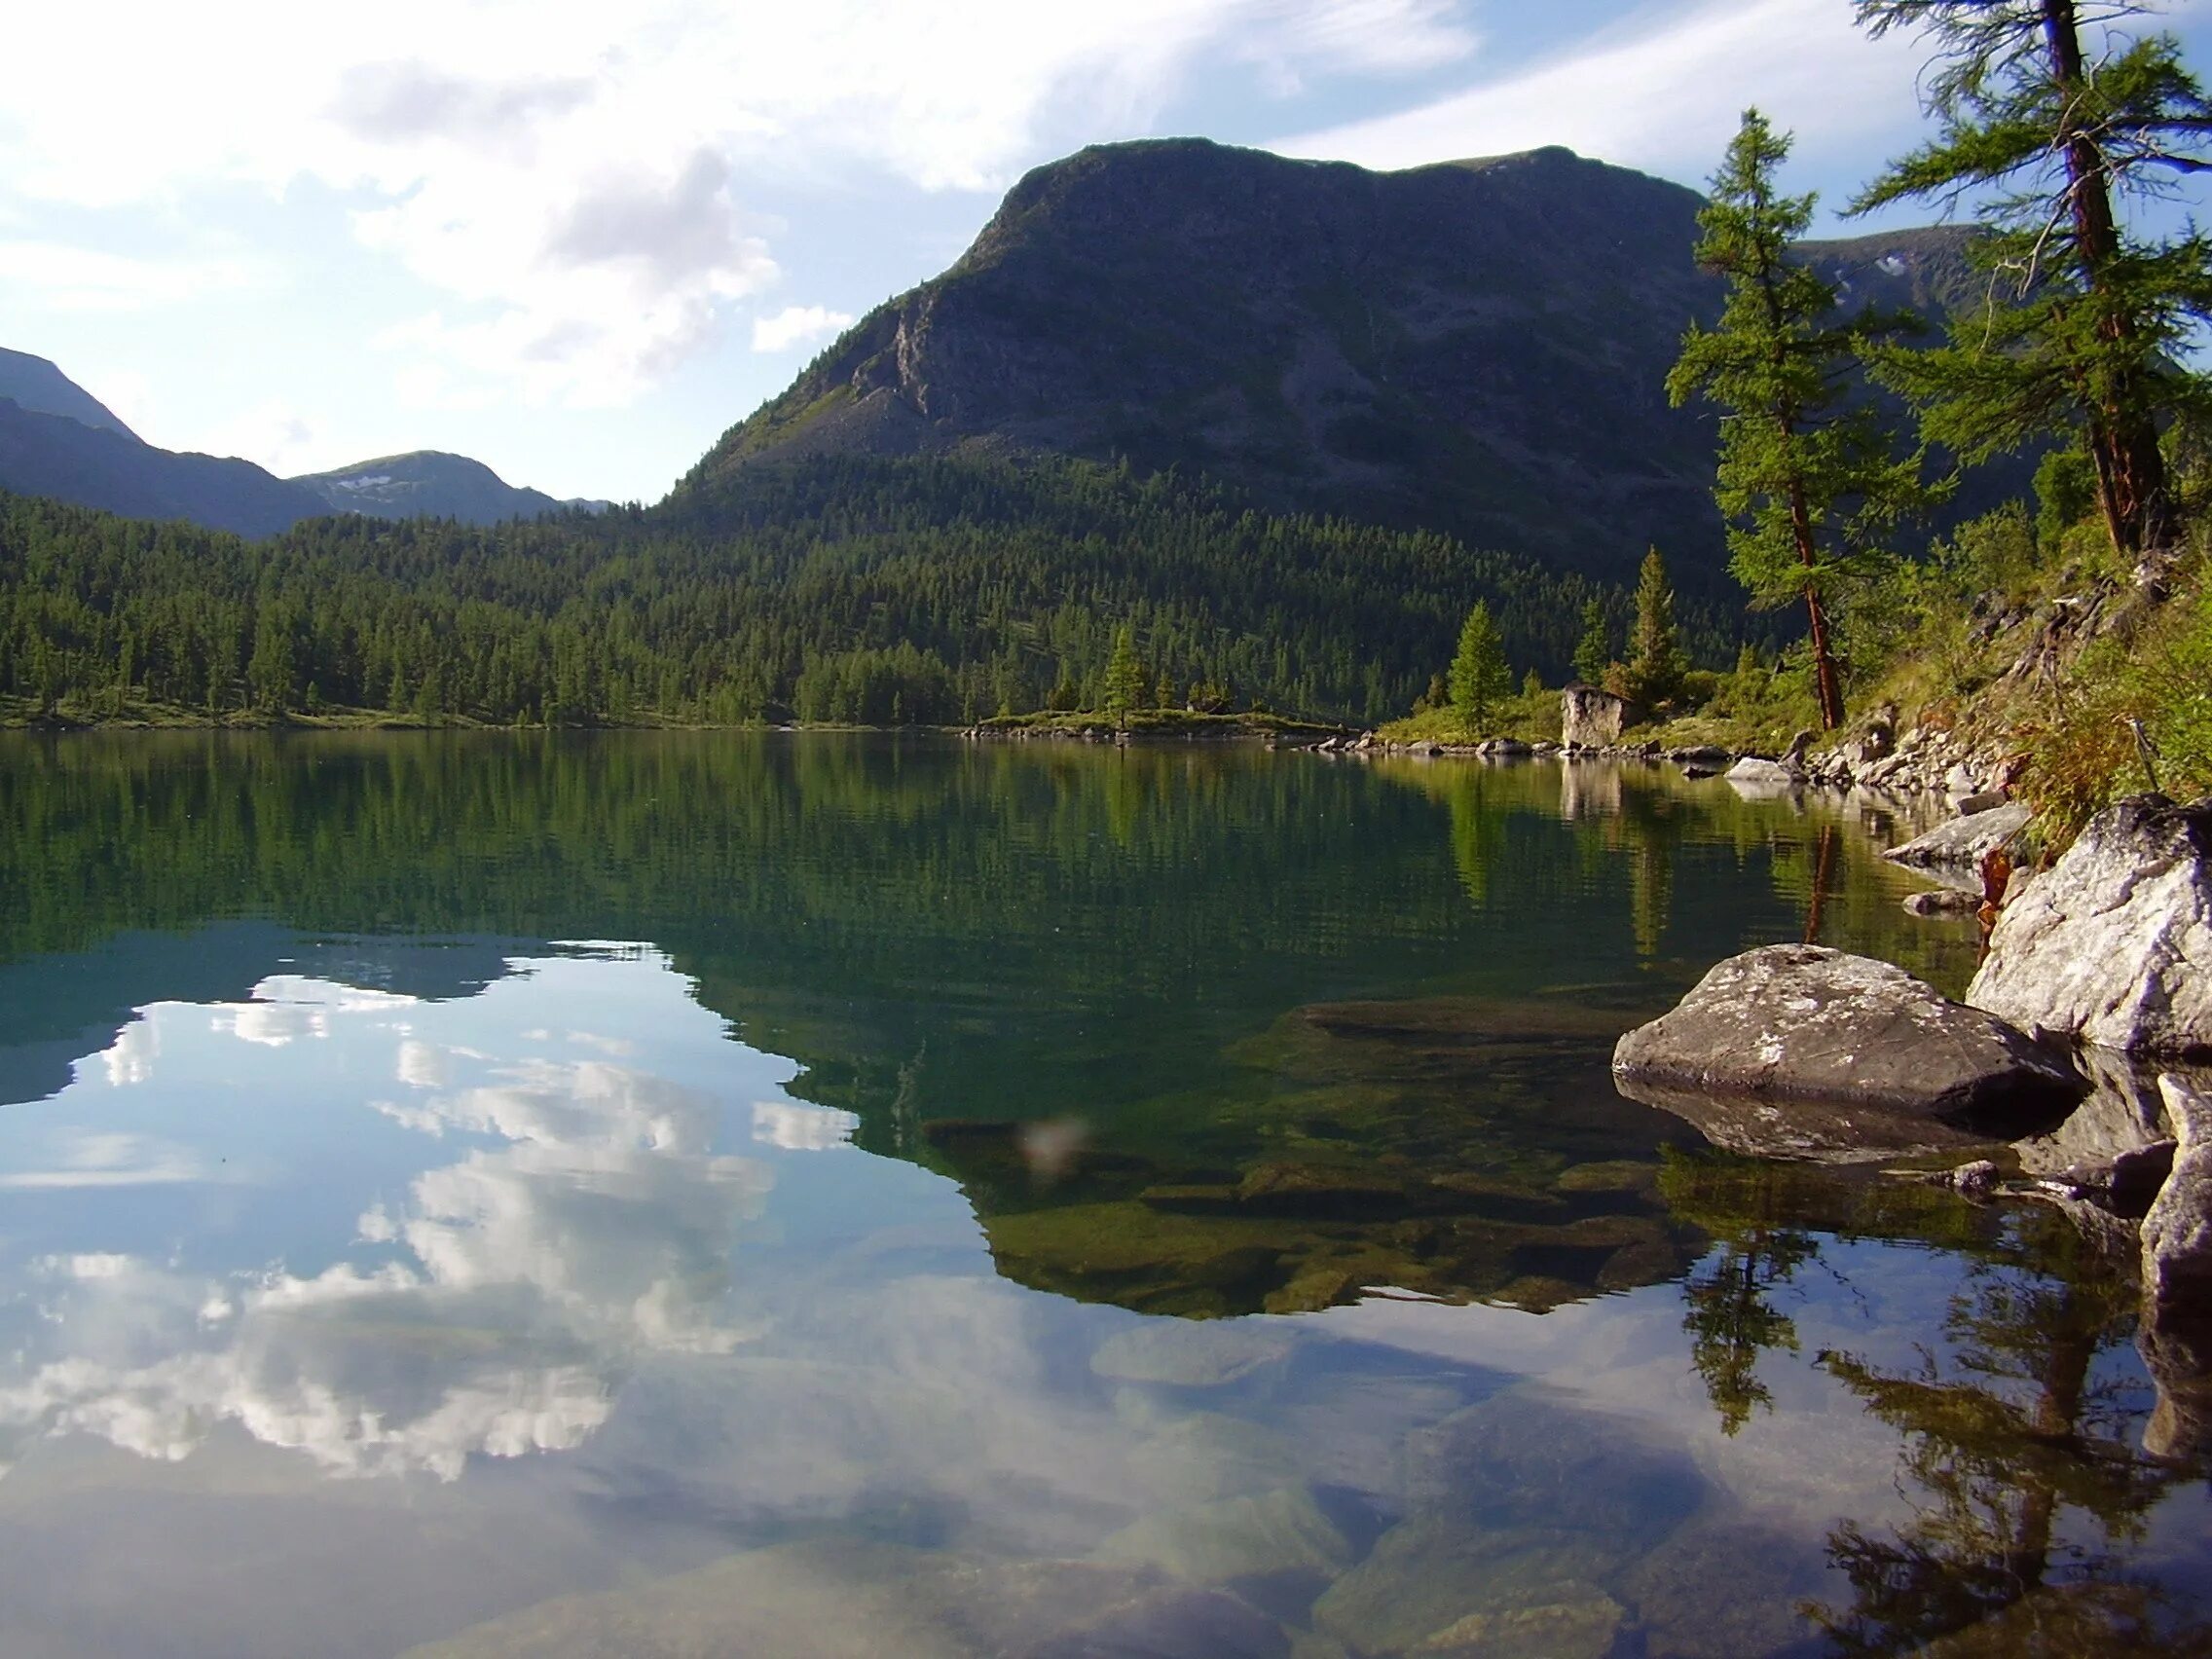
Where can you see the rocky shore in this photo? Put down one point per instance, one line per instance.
(2078, 1069)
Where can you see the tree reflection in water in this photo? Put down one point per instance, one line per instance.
(2019, 1461)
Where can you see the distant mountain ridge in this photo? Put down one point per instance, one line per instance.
(1475, 347)
(38, 385)
(432, 484)
(58, 441)
(59, 456)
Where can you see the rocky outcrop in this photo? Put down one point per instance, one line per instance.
(1591, 718)
(2113, 945)
(1958, 845)
(1799, 1051)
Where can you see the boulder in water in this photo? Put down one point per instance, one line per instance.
(1961, 843)
(1799, 1051)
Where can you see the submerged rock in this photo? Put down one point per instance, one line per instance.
(1943, 902)
(1961, 843)
(2113, 945)
(1251, 1536)
(1517, 1515)
(1799, 1051)
(852, 1598)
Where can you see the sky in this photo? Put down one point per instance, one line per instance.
(578, 242)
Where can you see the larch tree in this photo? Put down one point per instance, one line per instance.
(1807, 479)
(1124, 685)
(1655, 663)
(2087, 318)
(1479, 678)
(1594, 651)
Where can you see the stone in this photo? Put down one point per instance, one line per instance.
(1726, 1585)
(1981, 800)
(1943, 902)
(1518, 1512)
(1879, 742)
(1593, 717)
(1801, 1050)
(2116, 1144)
(855, 1599)
(2113, 945)
(1975, 1180)
(1254, 1535)
(1188, 1354)
(1961, 843)
(1751, 769)
(1701, 754)
(2177, 1234)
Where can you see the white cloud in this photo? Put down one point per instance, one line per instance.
(1662, 96)
(129, 1058)
(85, 1157)
(797, 325)
(531, 1275)
(69, 278)
(798, 1128)
(272, 435)
(571, 180)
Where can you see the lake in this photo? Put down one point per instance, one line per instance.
(699, 1194)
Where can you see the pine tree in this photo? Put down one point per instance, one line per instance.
(1479, 676)
(1806, 480)
(1594, 651)
(1124, 686)
(1656, 658)
(2086, 321)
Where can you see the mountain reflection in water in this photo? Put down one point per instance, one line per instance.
(1035, 1202)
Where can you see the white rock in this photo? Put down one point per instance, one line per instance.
(2113, 946)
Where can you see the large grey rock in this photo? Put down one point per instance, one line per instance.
(1799, 1051)
(1961, 843)
(2112, 944)
(1592, 717)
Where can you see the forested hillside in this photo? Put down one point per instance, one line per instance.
(847, 589)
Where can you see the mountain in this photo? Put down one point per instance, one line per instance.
(36, 384)
(62, 458)
(1476, 346)
(432, 484)
(60, 441)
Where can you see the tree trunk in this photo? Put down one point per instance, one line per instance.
(2123, 439)
(1827, 685)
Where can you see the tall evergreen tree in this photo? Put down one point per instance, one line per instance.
(1807, 480)
(1655, 658)
(1594, 651)
(2086, 320)
(1479, 676)
(1124, 686)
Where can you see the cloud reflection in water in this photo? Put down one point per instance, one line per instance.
(494, 1309)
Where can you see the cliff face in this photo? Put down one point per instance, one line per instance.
(1477, 346)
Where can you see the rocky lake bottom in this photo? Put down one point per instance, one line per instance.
(671, 1194)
